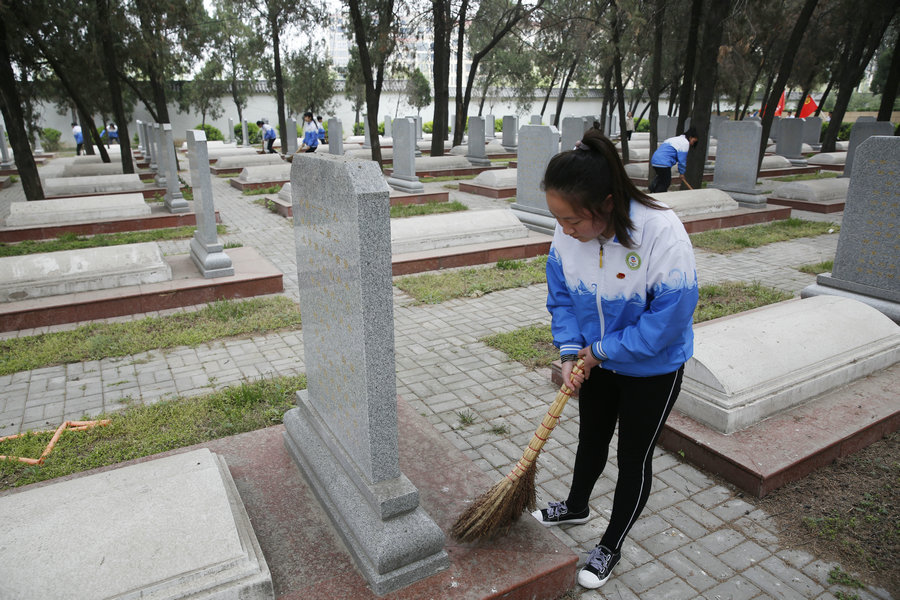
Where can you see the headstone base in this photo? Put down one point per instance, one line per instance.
(211, 260)
(410, 186)
(175, 203)
(391, 551)
(755, 198)
(828, 285)
(478, 161)
(799, 162)
(174, 527)
(540, 221)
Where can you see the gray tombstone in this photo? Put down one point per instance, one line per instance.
(812, 131)
(867, 261)
(403, 176)
(290, 137)
(477, 153)
(790, 141)
(665, 127)
(489, 124)
(715, 121)
(229, 136)
(537, 145)
(775, 129)
(736, 161)
(335, 136)
(367, 133)
(572, 131)
(175, 202)
(419, 134)
(206, 251)
(5, 159)
(510, 130)
(157, 162)
(860, 132)
(388, 130)
(140, 131)
(38, 149)
(535, 119)
(866, 119)
(245, 136)
(343, 434)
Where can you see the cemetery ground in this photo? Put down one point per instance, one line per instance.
(805, 514)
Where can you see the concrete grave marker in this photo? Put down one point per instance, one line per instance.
(344, 432)
(206, 251)
(538, 144)
(510, 131)
(388, 129)
(290, 137)
(812, 131)
(140, 133)
(229, 135)
(535, 120)
(736, 161)
(403, 177)
(175, 202)
(335, 136)
(860, 132)
(5, 159)
(477, 153)
(867, 261)
(790, 141)
(245, 136)
(572, 131)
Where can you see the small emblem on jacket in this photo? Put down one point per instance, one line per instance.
(633, 260)
(620, 275)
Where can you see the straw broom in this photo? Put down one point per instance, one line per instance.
(497, 509)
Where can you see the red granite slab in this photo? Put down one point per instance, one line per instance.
(483, 190)
(824, 206)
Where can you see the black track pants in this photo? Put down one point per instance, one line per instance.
(640, 405)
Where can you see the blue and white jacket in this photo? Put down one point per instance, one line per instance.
(268, 132)
(673, 150)
(633, 306)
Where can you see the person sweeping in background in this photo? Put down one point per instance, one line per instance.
(671, 151)
(622, 289)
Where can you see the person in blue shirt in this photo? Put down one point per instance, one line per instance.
(79, 138)
(310, 134)
(671, 151)
(321, 129)
(268, 136)
(621, 291)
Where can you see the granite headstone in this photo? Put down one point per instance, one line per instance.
(343, 434)
(175, 202)
(510, 131)
(206, 250)
(335, 136)
(790, 141)
(860, 132)
(867, 261)
(537, 145)
(403, 177)
(477, 153)
(736, 161)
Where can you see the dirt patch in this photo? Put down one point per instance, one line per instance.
(848, 512)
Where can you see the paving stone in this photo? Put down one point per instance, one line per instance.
(736, 588)
(721, 540)
(688, 571)
(647, 576)
(744, 555)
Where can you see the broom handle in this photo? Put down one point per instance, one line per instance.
(547, 424)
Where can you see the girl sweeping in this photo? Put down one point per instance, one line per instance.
(622, 287)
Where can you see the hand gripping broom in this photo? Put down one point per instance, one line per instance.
(497, 509)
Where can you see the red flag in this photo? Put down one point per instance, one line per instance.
(809, 107)
(780, 107)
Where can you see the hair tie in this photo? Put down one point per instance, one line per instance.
(579, 145)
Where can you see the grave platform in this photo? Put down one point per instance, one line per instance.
(159, 218)
(12, 171)
(255, 185)
(820, 206)
(308, 560)
(790, 445)
(490, 192)
(5, 181)
(401, 199)
(148, 192)
(534, 244)
(451, 172)
(254, 276)
(736, 218)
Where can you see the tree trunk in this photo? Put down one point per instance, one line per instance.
(11, 108)
(690, 56)
(373, 88)
(620, 88)
(889, 93)
(279, 88)
(828, 89)
(656, 20)
(714, 24)
(607, 92)
(443, 26)
(459, 125)
(784, 71)
(862, 48)
(561, 98)
(108, 61)
(550, 88)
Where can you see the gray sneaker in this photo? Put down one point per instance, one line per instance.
(598, 568)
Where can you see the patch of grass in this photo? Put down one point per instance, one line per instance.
(466, 417)
(95, 341)
(431, 288)
(807, 176)
(73, 241)
(499, 430)
(228, 245)
(451, 186)
(739, 238)
(841, 595)
(838, 576)
(13, 178)
(730, 297)
(429, 208)
(446, 178)
(817, 268)
(140, 430)
(533, 346)
(272, 189)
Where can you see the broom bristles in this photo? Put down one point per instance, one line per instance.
(495, 511)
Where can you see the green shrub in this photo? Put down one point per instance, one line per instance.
(428, 127)
(252, 133)
(642, 125)
(212, 133)
(359, 128)
(50, 139)
(498, 125)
